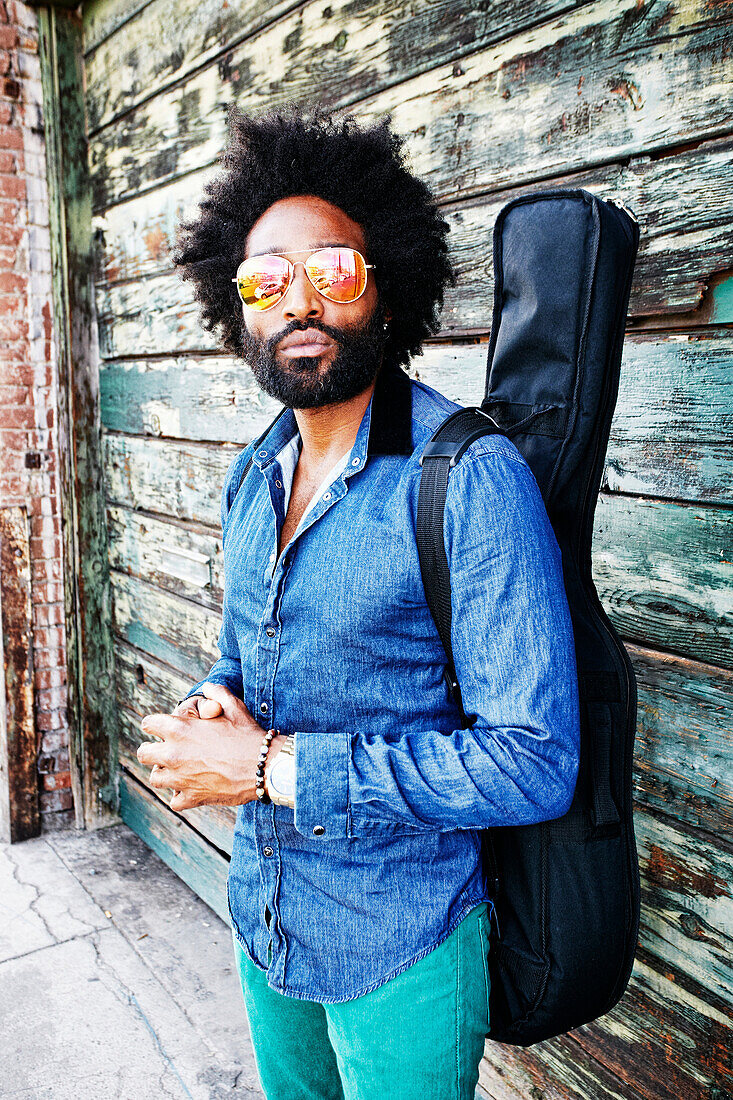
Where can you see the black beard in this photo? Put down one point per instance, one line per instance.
(300, 385)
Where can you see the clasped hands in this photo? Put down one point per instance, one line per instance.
(207, 750)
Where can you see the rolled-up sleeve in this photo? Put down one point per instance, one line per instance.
(514, 657)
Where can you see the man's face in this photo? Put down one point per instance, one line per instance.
(347, 356)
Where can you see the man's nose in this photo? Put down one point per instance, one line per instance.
(302, 299)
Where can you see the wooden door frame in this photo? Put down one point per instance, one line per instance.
(20, 816)
(92, 708)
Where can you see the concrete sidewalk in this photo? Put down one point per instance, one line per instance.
(116, 981)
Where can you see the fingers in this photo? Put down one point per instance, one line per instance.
(151, 753)
(188, 708)
(231, 705)
(184, 800)
(162, 777)
(209, 708)
(159, 725)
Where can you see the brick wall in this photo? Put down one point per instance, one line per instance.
(28, 388)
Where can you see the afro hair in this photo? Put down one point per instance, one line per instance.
(361, 170)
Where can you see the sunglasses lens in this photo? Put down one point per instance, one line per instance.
(338, 273)
(262, 281)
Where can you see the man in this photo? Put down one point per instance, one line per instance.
(359, 907)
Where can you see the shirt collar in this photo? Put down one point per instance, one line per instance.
(385, 429)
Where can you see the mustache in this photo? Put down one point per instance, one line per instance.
(336, 334)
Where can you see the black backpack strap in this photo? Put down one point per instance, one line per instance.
(445, 448)
(442, 453)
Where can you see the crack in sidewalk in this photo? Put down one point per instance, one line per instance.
(211, 1047)
(124, 995)
(49, 947)
(15, 872)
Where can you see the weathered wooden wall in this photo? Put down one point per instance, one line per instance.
(631, 99)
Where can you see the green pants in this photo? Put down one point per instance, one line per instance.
(419, 1036)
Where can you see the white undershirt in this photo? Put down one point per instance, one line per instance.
(287, 458)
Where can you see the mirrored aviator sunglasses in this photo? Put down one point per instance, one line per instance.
(339, 274)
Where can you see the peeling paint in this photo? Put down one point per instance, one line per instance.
(629, 91)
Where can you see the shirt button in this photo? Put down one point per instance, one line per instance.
(262, 454)
(270, 631)
(264, 708)
(272, 556)
(267, 850)
(318, 830)
(355, 461)
(326, 496)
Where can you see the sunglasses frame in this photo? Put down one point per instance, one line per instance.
(299, 252)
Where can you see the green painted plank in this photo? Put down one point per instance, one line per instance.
(660, 76)
(662, 569)
(145, 684)
(304, 44)
(672, 387)
(676, 387)
(664, 573)
(102, 18)
(722, 310)
(196, 398)
(194, 860)
(157, 45)
(683, 756)
(168, 554)
(184, 480)
(177, 631)
(687, 902)
(174, 479)
(670, 470)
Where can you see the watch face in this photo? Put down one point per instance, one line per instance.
(282, 776)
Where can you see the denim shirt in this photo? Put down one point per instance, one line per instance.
(334, 641)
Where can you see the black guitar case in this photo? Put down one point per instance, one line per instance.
(566, 892)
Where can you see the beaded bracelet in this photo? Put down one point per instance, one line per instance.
(260, 772)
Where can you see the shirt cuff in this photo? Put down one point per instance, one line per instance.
(229, 675)
(322, 785)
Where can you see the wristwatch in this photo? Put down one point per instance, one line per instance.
(280, 775)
